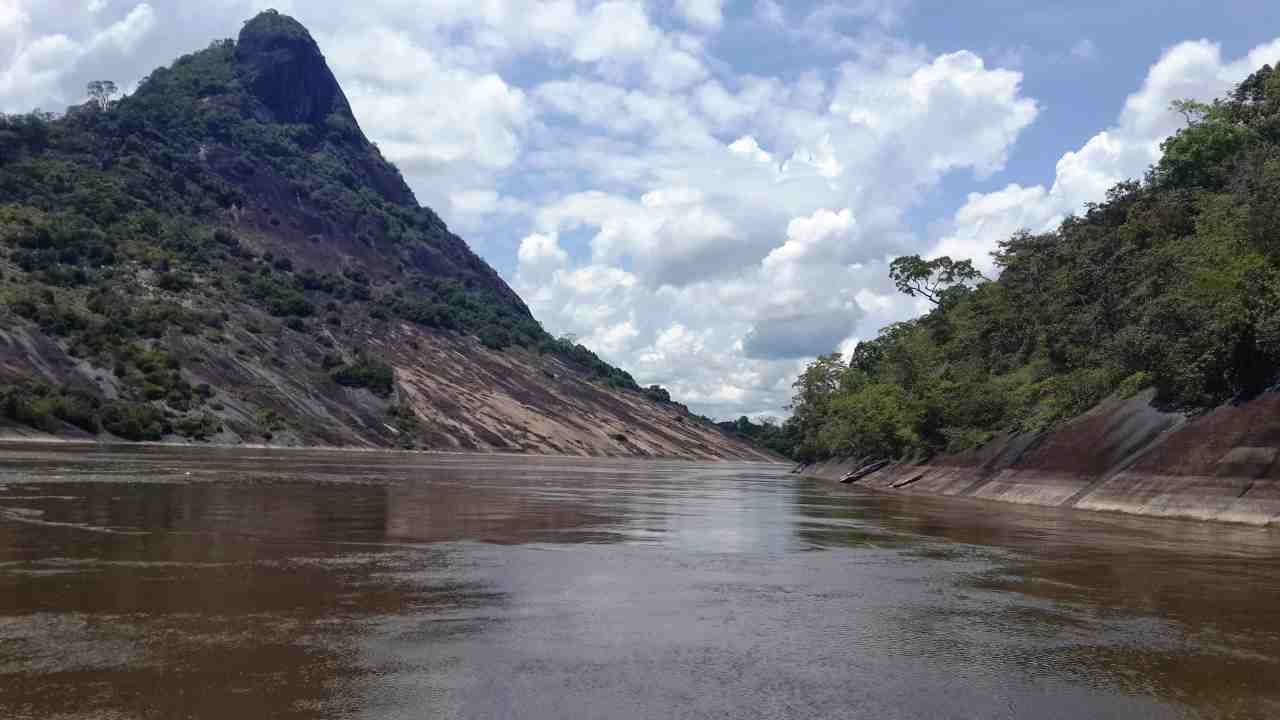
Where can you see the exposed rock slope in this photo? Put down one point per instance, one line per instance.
(1123, 456)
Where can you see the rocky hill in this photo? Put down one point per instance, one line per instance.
(224, 256)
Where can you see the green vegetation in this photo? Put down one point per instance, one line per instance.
(45, 407)
(568, 349)
(133, 421)
(657, 393)
(768, 434)
(368, 374)
(1172, 283)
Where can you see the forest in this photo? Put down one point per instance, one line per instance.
(1171, 283)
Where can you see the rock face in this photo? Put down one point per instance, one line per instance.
(461, 396)
(1122, 456)
(282, 66)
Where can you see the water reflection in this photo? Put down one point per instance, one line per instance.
(1170, 609)
(152, 582)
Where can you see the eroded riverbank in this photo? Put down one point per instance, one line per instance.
(1123, 456)
(177, 582)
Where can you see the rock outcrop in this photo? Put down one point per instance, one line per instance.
(284, 69)
(1122, 456)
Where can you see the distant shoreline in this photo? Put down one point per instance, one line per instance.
(8, 440)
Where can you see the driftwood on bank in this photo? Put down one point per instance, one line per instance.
(856, 475)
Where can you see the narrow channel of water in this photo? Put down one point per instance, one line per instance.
(205, 583)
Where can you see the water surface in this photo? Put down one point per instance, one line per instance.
(205, 583)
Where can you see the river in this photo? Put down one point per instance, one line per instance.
(148, 582)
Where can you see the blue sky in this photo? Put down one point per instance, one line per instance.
(706, 192)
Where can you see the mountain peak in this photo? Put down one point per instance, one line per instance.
(283, 67)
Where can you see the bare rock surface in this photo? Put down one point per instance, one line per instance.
(1123, 456)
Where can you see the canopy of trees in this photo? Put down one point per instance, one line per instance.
(101, 92)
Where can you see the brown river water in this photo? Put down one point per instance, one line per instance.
(242, 584)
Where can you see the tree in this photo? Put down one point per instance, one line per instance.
(1192, 110)
(813, 392)
(930, 279)
(658, 393)
(878, 420)
(101, 92)
(1200, 155)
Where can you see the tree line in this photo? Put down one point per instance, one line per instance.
(1171, 283)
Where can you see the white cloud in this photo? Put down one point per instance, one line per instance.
(705, 14)
(987, 217)
(820, 237)
(671, 235)
(746, 249)
(748, 147)
(403, 97)
(35, 71)
(125, 34)
(39, 63)
(615, 30)
(980, 104)
(1123, 151)
(613, 339)
(538, 253)
(13, 19)
(799, 333)
(433, 118)
(484, 202)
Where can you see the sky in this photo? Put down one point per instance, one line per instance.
(706, 192)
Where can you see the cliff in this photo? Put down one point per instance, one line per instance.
(223, 256)
(1124, 455)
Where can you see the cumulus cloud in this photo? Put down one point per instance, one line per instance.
(432, 118)
(540, 254)
(748, 223)
(821, 237)
(924, 112)
(125, 34)
(799, 334)
(706, 14)
(41, 64)
(1123, 151)
(671, 236)
(484, 202)
(615, 30)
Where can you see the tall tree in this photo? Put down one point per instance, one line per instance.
(930, 279)
(813, 392)
(101, 92)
